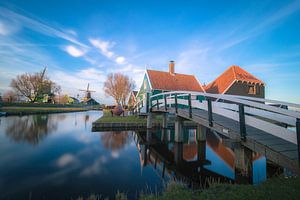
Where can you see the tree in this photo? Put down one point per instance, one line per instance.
(34, 86)
(10, 96)
(61, 99)
(119, 87)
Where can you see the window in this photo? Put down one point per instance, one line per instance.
(251, 89)
(145, 84)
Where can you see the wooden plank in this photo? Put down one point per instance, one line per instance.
(284, 147)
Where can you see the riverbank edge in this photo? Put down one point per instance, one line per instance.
(132, 122)
(34, 111)
(274, 188)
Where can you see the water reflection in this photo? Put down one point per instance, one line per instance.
(115, 140)
(71, 161)
(198, 162)
(32, 129)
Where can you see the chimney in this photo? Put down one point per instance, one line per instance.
(172, 67)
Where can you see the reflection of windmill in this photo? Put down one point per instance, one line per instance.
(88, 92)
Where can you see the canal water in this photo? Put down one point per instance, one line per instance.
(56, 156)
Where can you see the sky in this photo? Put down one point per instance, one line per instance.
(81, 42)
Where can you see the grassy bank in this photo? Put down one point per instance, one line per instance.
(107, 118)
(12, 110)
(275, 188)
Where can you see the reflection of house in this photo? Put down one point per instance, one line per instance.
(237, 81)
(132, 99)
(155, 82)
(91, 101)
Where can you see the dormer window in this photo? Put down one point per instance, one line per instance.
(251, 89)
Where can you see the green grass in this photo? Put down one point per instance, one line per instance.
(11, 110)
(275, 188)
(107, 118)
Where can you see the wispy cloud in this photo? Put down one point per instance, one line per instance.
(105, 49)
(120, 60)
(39, 26)
(263, 25)
(74, 51)
(103, 46)
(8, 27)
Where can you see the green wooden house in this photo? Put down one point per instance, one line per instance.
(155, 82)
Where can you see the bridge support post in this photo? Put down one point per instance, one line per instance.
(209, 110)
(149, 135)
(178, 152)
(201, 156)
(201, 133)
(164, 135)
(165, 120)
(243, 165)
(242, 121)
(190, 105)
(149, 120)
(147, 102)
(176, 105)
(165, 102)
(144, 156)
(178, 129)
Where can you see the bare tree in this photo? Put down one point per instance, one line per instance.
(10, 96)
(34, 86)
(119, 87)
(61, 99)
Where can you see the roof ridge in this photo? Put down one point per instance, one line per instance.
(169, 72)
(218, 77)
(249, 74)
(234, 72)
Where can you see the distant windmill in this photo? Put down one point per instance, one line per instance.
(88, 92)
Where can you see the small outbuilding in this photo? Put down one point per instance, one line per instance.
(237, 81)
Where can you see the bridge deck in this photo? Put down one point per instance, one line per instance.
(275, 149)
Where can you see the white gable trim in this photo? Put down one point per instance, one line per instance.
(200, 84)
(229, 86)
(149, 81)
(146, 73)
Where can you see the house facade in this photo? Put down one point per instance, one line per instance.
(237, 81)
(155, 82)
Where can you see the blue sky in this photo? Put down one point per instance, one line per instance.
(81, 42)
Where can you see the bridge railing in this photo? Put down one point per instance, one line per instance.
(280, 122)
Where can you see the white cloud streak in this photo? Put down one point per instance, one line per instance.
(103, 46)
(39, 26)
(74, 51)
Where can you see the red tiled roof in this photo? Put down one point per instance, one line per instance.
(232, 74)
(173, 82)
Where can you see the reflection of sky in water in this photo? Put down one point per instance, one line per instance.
(51, 155)
(217, 164)
(69, 160)
(259, 170)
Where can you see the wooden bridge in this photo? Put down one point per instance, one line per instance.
(268, 127)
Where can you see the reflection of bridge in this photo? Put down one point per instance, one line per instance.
(170, 163)
(273, 131)
(211, 160)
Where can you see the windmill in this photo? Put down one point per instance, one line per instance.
(88, 92)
